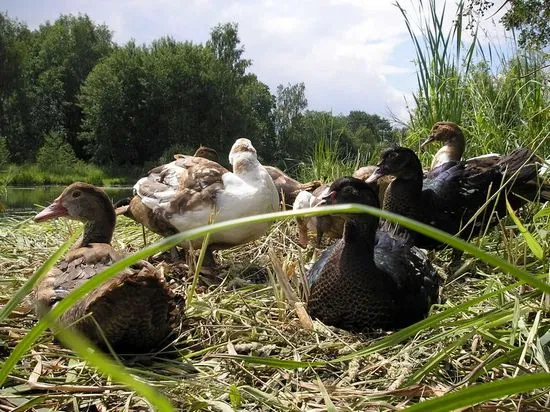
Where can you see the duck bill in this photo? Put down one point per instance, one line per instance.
(56, 209)
(377, 174)
(426, 142)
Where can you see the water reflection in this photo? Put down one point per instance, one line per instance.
(18, 200)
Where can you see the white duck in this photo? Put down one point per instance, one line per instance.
(192, 191)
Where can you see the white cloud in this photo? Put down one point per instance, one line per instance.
(351, 54)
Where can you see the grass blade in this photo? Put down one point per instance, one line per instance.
(479, 393)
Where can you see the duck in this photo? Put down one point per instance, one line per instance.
(454, 146)
(287, 187)
(133, 312)
(365, 172)
(191, 192)
(371, 278)
(330, 225)
(207, 153)
(453, 194)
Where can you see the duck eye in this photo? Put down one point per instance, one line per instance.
(76, 194)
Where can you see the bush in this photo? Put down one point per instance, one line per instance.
(56, 154)
(4, 152)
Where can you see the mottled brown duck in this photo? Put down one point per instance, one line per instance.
(454, 146)
(191, 192)
(207, 153)
(135, 311)
(365, 172)
(372, 278)
(454, 198)
(287, 187)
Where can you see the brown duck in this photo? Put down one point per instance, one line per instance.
(453, 149)
(330, 225)
(288, 187)
(135, 311)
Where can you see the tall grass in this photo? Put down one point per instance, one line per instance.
(332, 156)
(442, 61)
(499, 98)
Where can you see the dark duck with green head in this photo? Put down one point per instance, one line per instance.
(454, 196)
(371, 278)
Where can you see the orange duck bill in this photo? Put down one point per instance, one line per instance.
(56, 209)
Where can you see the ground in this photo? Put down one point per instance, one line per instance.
(457, 346)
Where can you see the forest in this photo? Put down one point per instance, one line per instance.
(71, 94)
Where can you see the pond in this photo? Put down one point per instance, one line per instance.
(28, 200)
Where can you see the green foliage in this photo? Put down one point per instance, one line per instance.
(140, 100)
(33, 175)
(291, 102)
(499, 107)
(56, 155)
(530, 17)
(4, 152)
(46, 68)
(440, 66)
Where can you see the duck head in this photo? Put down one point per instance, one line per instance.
(447, 132)
(242, 155)
(350, 190)
(207, 153)
(400, 162)
(87, 203)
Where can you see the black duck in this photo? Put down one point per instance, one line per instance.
(371, 278)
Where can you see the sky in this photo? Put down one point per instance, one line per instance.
(351, 54)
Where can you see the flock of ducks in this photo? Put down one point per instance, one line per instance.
(375, 276)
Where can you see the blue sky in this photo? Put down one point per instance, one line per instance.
(351, 54)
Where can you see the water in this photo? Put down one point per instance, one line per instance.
(24, 201)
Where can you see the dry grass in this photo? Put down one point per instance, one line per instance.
(231, 315)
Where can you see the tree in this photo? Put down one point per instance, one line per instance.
(291, 102)
(228, 75)
(63, 55)
(14, 110)
(530, 17)
(113, 99)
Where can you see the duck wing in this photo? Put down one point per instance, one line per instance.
(442, 199)
(133, 311)
(416, 280)
(185, 184)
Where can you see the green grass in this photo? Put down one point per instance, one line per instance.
(33, 175)
(499, 98)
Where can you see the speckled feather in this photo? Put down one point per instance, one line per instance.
(135, 311)
(371, 279)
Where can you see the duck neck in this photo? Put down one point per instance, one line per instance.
(100, 229)
(360, 233)
(402, 196)
(452, 151)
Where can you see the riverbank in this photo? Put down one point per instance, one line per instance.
(34, 175)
